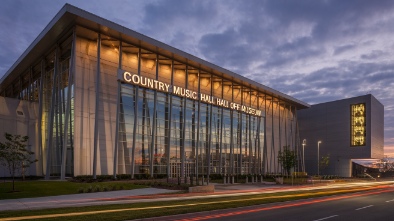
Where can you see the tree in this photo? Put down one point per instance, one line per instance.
(324, 161)
(14, 155)
(287, 158)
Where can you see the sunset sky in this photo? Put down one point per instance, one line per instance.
(315, 51)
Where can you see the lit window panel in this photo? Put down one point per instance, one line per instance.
(358, 122)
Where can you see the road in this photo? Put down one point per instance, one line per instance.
(372, 205)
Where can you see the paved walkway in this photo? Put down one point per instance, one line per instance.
(74, 200)
(125, 196)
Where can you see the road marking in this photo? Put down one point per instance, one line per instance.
(328, 217)
(389, 201)
(364, 207)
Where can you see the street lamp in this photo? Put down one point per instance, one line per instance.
(318, 160)
(303, 155)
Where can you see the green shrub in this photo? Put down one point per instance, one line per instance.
(160, 176)
(215, 176)
(89, 189)
(83, 179)
(123, 176)
(102, 178)
(97, 188)
(81, 190)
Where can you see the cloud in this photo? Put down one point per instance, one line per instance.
(373, 55)
(341, 49)
(316, 51)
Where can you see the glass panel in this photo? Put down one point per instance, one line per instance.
(148, 64)
(109, 53)
(126, 128)
(129, 58)
(358, 124)
(165, 68)
(192, 79)
(179, 74)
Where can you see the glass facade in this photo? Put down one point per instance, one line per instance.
(178, 135)
(195, 121)
(49, 82)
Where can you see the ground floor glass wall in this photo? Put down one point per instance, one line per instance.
(189, 137)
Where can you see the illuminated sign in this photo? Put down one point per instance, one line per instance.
(161, 86)
(358, 125)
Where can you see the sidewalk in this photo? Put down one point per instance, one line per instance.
(74, 200)
(127, 196)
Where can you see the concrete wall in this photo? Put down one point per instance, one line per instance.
(24, 123)
(377, 129)
(330, 123)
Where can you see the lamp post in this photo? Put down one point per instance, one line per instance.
(303, 155)
(318, 158)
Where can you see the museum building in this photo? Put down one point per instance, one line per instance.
(345, 133)
(98, 98)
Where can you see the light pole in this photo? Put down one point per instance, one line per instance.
(318, 158)
(303, 155)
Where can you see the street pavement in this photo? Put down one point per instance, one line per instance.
(151, 195)
(371, 205)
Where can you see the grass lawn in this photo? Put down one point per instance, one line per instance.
(28, 189)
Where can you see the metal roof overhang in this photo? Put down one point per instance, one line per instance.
(69, 16)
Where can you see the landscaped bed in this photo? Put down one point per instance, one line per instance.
(37, 188)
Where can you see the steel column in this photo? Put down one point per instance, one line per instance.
(136, 88)
(71, 72)
(210, 135)
(153, 143)
(169, 125)
(97, 108)
(231, 134)
(184, 128)
(221, 134)
(51, 116)
(265, 148)
(240, 126)
(250, 135)
(40, 106)
(116, 144)
(198, 125)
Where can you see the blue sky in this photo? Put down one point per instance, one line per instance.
(315, 51)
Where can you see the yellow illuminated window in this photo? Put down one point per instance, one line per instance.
(358, 122)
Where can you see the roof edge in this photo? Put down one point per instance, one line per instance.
(68, 8)
(62, 11)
